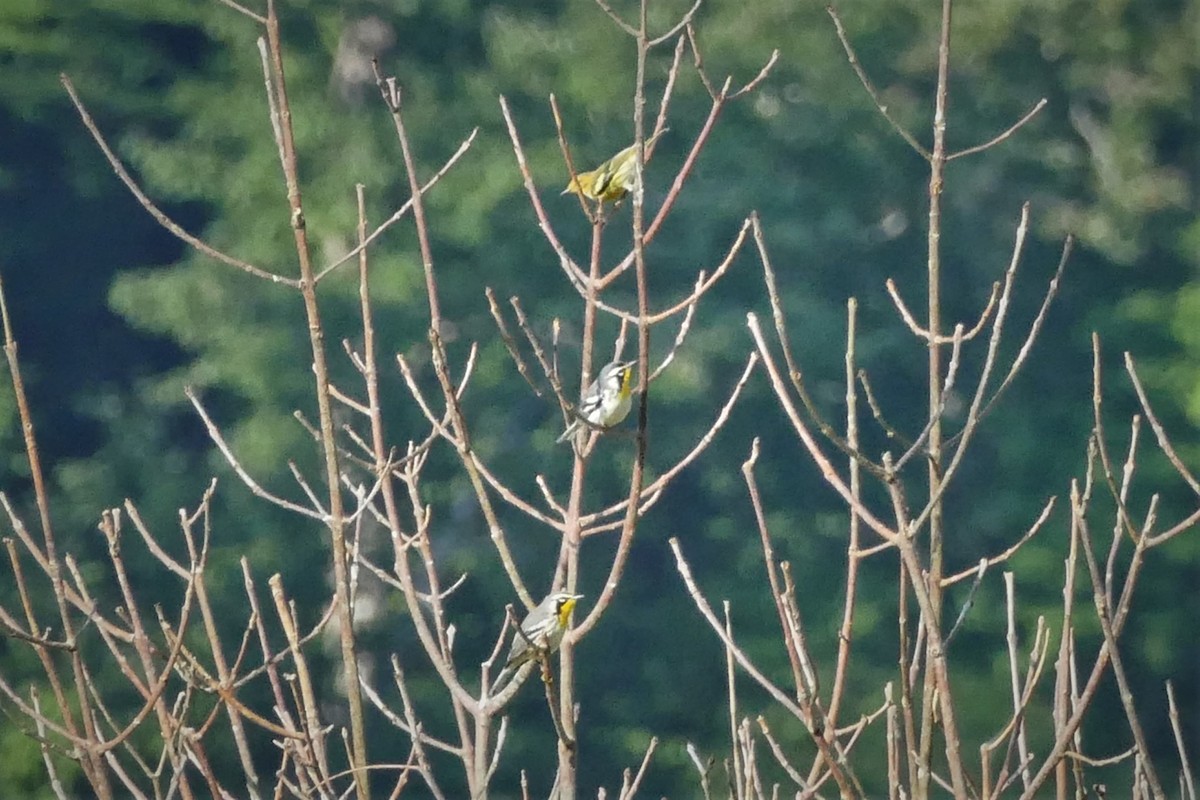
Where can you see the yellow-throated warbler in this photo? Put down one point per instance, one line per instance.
(541, 631)
(607, 401)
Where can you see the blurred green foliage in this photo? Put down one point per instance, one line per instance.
(115, 318)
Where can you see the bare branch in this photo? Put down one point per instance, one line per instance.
(215, 434)
(701, 445)
(774, 691)
(794, 373)
(539, 352)
(702, 286)
(1185, 766)
(368, 240)
(920, 332)
(1010, 605)
(1008, 553)
(1034, 329)
(510, 343)
(827, 469)
(159, 216)
(261, 20)
(780, 756)
(681, 334)
(574, 273)
(615, 17)
(979, 148)
(391, 97)
(777, 592)
(757, 80)
(396, 720)
(630, 787)
(676, 30)
(870, 87)
(511, 497)
(1108, 627)
(1160, 433)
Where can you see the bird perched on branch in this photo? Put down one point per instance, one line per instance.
(541, 632)
(607, 401)
(612, 180)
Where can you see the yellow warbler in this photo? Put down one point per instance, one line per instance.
(612, 180)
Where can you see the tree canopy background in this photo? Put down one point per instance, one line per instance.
(115, 318)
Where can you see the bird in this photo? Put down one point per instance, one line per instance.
(607, 401)
(612, 180)
(541, 632)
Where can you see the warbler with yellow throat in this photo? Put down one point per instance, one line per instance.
(541, 633)
(607, 401)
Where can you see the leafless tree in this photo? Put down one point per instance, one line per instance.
(918, 706)
(193, 684)
(368, 479)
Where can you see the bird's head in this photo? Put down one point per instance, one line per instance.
(563, 604)
(581, 184)
(618, 374)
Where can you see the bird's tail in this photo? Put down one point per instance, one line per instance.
(569, 432)
(503, 679)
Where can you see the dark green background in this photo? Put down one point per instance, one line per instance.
(115, 318)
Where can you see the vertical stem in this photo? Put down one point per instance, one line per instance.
(639, 257)
(1105, 614)
(567, 752)
(1014, 677)
(910, 732)
(1188, 789)
(639, 252)
(731, 686)
(314, 731)
(937, 164)
(893, 745)
(843, 656)
(418, 208)
(336, 521)
(568, 562)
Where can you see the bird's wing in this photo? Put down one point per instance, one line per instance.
(591, 401)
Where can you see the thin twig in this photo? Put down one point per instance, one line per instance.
(663, 480)
(261, 20)
(839, 773)
(995, 140)
(1034, 329)
(920, 332)
(1185, 766)
(1160, 433)
(852, 57)
(369, 239)
(1009, 552)
(214, 433)
(159, 216)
